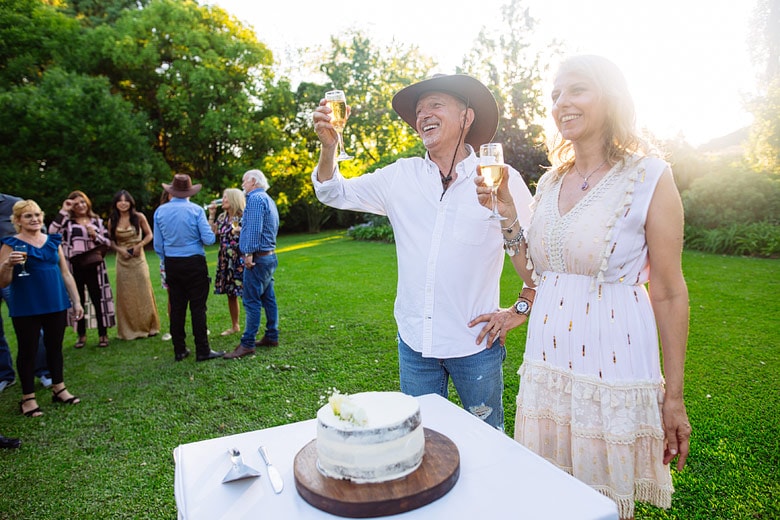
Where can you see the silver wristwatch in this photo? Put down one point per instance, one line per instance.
(522, 307)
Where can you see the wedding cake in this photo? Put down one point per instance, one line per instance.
(369, 437)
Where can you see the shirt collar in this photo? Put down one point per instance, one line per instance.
(466, 168)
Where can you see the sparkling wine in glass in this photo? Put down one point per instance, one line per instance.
(337, 102)
(491, 161)
(235, 223)
(22, 248)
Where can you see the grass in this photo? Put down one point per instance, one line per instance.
(111, 456)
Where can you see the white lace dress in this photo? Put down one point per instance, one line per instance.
(590, 384)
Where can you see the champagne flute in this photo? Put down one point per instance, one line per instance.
(235, 224)
(491, 161)
(337, 102)
(22, 248)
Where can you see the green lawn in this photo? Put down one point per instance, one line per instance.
(110, 456)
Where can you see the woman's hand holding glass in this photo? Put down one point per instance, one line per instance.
(20, 251)
(503, 197)
(492, 170)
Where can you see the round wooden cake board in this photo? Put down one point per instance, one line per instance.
(437, 474)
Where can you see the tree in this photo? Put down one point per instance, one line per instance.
(61, 134)
(33, 36)
(764, 146)
(506, 62)
(196, 73)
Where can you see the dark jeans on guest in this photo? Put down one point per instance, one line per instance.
(88, 276)
(188, 285)
(28, 330)
(6, 363)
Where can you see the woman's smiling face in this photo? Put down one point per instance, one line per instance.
(578, 108)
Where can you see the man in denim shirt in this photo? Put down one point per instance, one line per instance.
(259, 227)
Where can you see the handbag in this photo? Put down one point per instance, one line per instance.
(90, 258)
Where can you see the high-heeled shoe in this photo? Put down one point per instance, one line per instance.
(35, 412)
(55, 397)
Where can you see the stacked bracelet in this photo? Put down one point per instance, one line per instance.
(512, 245)
(510, 226)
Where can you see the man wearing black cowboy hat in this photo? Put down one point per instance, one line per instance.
(449, 256)
(180, 232)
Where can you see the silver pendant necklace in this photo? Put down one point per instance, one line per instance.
(584, 186)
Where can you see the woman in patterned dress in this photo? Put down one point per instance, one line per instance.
(607, 221)
(230, 264)
(82, 230)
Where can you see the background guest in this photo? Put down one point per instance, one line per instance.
(180, 232)
(40, 283)
(7, 374)
(82, 232)
(165, 197)
(607, 221)
(228, 278)
(258, 245)
(136, 309)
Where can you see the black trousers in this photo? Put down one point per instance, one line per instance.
(28, 332)
(188, 285)
(88, 277)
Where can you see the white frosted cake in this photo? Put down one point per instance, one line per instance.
(369, 437)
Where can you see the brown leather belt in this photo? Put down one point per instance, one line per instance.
(264, 253)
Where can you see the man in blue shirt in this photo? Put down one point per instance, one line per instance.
(180, 232)
(257, 242)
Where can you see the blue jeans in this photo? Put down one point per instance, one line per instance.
(259, 295)
(479, 379)
(6, 362)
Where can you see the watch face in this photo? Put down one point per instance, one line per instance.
(522, 307)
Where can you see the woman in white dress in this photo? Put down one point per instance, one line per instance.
(607, 221)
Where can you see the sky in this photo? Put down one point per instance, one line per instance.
(686, 61)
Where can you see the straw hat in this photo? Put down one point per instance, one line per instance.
(470, 90)
(182, 186)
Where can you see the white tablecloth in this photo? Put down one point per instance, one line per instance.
(498, 476)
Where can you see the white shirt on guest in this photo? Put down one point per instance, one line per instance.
(450, 256)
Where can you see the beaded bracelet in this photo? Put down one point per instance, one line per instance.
(512, 246)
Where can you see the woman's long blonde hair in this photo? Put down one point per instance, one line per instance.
(237, 201)
(621, 138)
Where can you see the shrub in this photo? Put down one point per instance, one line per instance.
(732, 197)
(375, 228)
(734, 212)
(755, 239)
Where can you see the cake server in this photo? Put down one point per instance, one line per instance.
(238, 470)
(273, 473)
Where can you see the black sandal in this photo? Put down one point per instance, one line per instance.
(55, 398)
(30, 413)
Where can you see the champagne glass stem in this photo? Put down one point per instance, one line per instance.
(495, 215)
(342, 152)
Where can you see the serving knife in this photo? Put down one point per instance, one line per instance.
(273, 474)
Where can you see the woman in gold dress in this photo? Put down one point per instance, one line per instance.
(136, 308)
